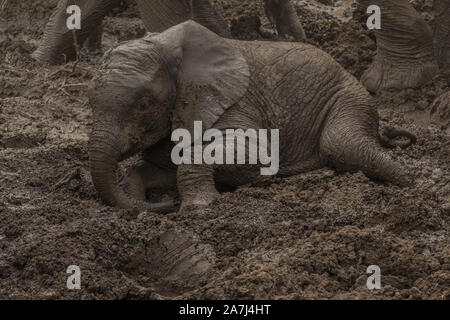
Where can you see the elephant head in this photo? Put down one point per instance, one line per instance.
(153, 85)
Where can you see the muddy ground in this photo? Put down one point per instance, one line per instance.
(308, 236)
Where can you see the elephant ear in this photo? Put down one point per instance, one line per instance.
(212, 75)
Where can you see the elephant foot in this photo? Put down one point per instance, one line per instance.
(196, 186)
(385, 74)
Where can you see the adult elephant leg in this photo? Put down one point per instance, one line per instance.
(58, 43)
(94, 41)
(405, 56)
(282, 13)
(159, 15)
(442, 35)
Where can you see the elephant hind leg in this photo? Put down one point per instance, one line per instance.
(352, 149)
(94, 42)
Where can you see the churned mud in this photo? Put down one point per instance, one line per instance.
(307, 236)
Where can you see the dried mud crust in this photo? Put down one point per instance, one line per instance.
(307, 236)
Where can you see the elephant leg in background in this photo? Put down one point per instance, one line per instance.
(442, 35)
(282, 14)
(58, 43)
(405, 56)
(159, 15)
(94, 42)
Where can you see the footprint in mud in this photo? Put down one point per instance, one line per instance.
(174, 262)
(23, 141)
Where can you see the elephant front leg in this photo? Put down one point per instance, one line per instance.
(196, 185)
(405, 56)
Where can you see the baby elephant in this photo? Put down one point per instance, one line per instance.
(152, 86)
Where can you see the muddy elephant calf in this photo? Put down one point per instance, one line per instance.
(152, 86)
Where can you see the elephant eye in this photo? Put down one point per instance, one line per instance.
(145, 102)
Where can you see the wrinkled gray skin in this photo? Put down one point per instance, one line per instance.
(158, 15)
(407, 54)
(151, 86)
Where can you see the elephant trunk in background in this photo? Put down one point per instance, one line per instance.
(442, 35)
(282, 13)
(405, 56)
(206, 15)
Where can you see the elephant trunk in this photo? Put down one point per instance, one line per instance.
(204, 13)
(285, 17)
(104, 155)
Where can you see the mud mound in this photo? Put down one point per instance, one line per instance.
(307, 236)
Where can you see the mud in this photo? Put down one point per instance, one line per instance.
(308, 236)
